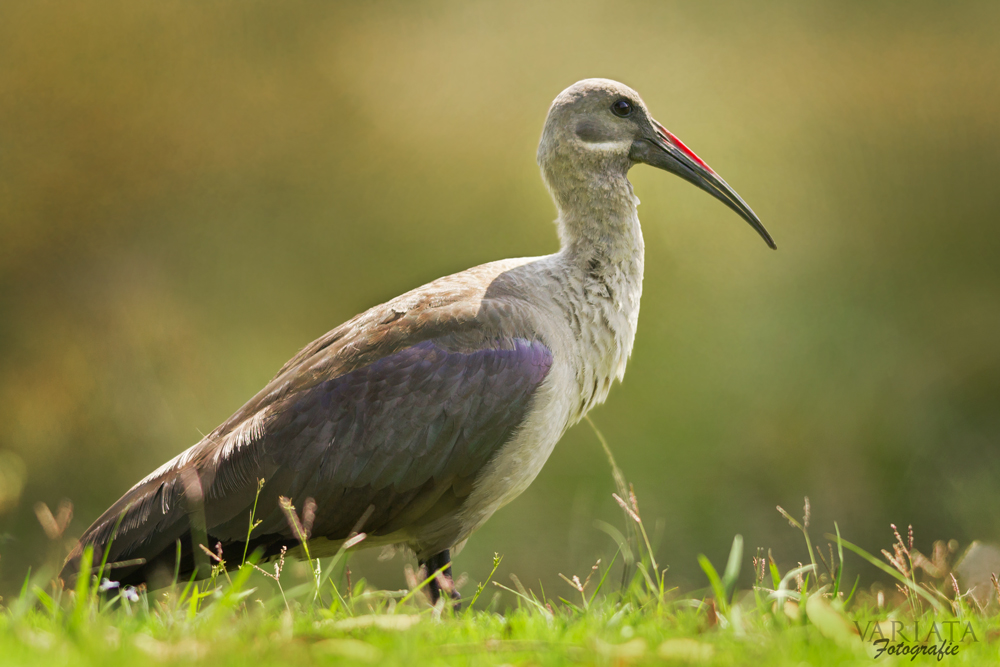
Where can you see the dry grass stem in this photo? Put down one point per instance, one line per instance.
(54, 526)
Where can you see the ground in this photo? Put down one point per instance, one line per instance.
(261, 615)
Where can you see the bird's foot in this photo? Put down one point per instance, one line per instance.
(443, 583)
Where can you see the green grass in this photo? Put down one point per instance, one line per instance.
(225, 623)
(621, 613)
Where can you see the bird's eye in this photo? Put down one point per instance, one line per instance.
(621, 108)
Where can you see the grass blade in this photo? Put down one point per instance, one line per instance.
(732, 571)
(421, 585)
(716, 583)
(890, 571)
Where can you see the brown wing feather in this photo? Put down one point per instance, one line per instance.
(451, 312)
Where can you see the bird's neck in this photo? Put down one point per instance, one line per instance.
(599, 225)
(603, 249)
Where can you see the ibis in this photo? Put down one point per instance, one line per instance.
(416, 420)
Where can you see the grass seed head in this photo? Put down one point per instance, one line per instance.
(896, 562)
(792, 522)
(759, 566)
(899, 540)
(628, 510)
(308, 517)
(293, 518)
(213, 556)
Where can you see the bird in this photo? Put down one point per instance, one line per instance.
(416, 420)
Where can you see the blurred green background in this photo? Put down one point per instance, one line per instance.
(190, 192)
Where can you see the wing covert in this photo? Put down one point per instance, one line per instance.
(414, 423)
(405, 434)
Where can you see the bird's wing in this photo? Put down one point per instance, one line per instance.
(398, 410)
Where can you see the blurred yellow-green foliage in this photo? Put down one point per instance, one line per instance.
(190, 192)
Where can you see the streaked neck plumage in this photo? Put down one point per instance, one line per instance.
(602, 251)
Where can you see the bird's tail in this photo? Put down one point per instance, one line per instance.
(143, 537)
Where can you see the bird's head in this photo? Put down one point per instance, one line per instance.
(597, 129)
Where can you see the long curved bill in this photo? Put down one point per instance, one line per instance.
(665, 151)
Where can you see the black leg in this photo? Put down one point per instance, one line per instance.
(435, 587)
